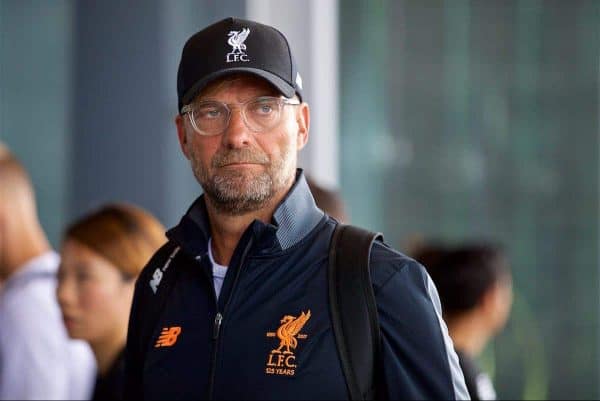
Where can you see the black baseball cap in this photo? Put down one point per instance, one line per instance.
(236, 45)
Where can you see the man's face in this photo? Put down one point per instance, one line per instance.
(241, 170)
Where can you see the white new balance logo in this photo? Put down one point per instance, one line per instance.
(156, 277)
(158, 273)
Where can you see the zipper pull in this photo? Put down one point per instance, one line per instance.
(217, 326)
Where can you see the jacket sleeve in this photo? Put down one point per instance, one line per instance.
(418, 357)
(134, 355)
(142, 321)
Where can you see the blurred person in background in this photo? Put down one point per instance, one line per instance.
(328, 200)
(102, 255)
(37, 358)
(4, 153)
(475, 287)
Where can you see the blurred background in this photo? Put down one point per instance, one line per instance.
(451, 120)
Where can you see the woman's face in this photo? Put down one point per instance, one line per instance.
(92, 294)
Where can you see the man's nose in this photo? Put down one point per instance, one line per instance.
(237, 133)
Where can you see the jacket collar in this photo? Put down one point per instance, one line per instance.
(293, 219)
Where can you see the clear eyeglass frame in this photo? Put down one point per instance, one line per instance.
(252, 122)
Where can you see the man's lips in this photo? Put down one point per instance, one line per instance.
(242, 164)
(239, 157)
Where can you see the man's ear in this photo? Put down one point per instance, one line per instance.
(494, 306)
(303, 120)
(181, 134)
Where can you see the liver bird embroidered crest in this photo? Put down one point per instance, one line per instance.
(236, 40)
(289, 329)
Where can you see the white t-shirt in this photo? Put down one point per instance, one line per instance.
(485, 388)
(218, 270)
(37, 358)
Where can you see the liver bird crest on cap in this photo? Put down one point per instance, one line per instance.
(237, 39)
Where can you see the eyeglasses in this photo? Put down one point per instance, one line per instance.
(260, 114)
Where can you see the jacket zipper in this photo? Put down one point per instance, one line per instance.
(216, 330)
(217, 325)
(218, 322)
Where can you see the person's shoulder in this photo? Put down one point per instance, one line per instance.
(158, 259)
(387, 263)
(29, 309)
(32, 298)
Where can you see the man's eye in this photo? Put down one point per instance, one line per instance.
(264, 108)
(209, 113)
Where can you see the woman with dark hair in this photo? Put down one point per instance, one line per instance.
(102, 255)
(475, 288)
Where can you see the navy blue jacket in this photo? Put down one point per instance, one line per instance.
(269, 334)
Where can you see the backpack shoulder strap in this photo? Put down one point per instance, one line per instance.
(353, 308)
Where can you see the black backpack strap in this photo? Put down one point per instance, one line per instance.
(353, 308)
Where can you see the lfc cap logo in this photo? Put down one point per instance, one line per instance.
(236, 41)
(281, 360)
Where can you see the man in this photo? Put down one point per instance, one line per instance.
(475, 287)
(247, 309)
(37, 359)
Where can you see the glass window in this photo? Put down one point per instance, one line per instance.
(465, 120)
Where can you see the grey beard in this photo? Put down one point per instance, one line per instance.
(227, 197)
(236, 193)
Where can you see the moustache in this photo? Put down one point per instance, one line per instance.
(239, 156)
